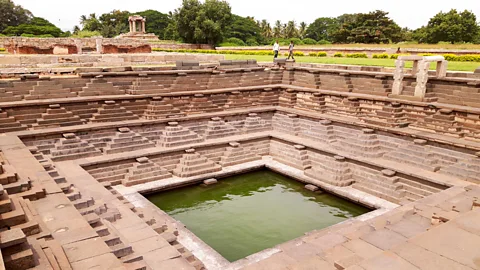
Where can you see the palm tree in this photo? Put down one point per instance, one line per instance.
(83, 20)
(291, 30)
(277, 29)
(302, 30)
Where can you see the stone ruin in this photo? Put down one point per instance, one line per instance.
(137, 28)
(78, 151)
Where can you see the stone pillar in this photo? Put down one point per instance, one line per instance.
(130, 25)
(134, 26)
(99, 45)
(398, 77)
(143, 26)
(442, 69)
(79, 44)
(422, 79)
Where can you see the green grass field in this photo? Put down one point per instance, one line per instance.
(453, 66)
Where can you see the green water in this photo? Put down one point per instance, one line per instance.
(245, 214)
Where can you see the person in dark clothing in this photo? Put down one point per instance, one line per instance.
(290, 50)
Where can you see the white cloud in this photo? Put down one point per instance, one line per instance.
(407, 13)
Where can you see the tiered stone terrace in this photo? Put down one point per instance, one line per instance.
(76, 153)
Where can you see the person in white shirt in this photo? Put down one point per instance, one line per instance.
(276, 49)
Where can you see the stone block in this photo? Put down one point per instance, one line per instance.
(142, 160)
(211, 181)
(312, 188)
(420, 141)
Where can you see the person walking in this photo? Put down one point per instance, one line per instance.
(276, 49)
(290, 50)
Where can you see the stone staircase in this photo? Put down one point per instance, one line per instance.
(237, 100)
(72, 147)
(57, 116)
(383, 184)
(287, 98)
(175, 135)
(160, 108)
(391, 115)
(268, 97)
(310, 102)
(114, 173)
(145, 85)
(99, 86)
(321, 131)
(235, 154)
(125, 140)
(415, 154)
(443, 121)
(336, 82)
(286, 123)
(254, 123)
(49, 89)
(364, 143)
(9, 123)
(144, 171)
(295, 156)
(193, 164)
(112, 112)
(218, 128)
(334, 171)
(201, 104)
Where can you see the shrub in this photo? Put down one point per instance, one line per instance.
(286, 54)
(394, 56)
(337, 54)
(450, 57)
(86, 34)
(309, 41)
(314, 54)
(3, 49)
(298, 54)
(380, 56)
(322, 54)
(357, 55)
(296, 41)
(468, 58)
(252, 42)
(323, 42)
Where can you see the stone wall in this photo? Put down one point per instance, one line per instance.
(22, 45)
(44, 63)
(181, 46)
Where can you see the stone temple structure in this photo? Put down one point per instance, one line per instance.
(78, 152)
(137, 28)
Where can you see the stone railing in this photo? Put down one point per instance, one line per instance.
(22, 45)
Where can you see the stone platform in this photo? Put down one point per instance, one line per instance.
(77, 153)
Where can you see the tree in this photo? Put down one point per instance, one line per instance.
(157, 22)
(35, 27)
(302, 30)
(114, 23)
(244, 29)
(372, 27)
(322, 29)
(91, 23)
(12, 15)
(202, 23)
(450, 27)
(291, 30)
(277, 29)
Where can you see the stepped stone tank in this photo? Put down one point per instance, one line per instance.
(77, 153)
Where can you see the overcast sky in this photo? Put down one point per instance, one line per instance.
(407, 13)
